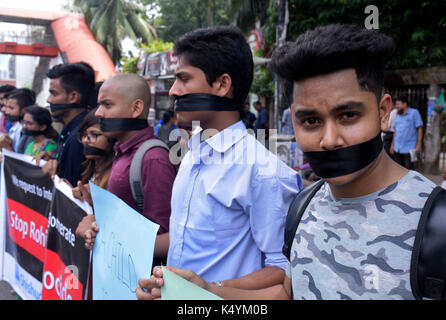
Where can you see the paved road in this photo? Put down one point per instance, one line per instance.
(5, 291)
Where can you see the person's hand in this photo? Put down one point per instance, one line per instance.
(50, 168)
(150, 289)
(418, 149)
(88, 230)
(6, 142)
(83, 193)
(43, 155)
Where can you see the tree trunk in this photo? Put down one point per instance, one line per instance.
(432, 138)
(42, 68)
(210, 14)
(40, 74)
(281, 31)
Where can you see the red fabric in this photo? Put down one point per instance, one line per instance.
(77, 42)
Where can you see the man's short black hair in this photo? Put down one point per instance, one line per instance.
(78, 76)
(6, 89)
(25, 97)
(332, 48)
(216, 51)
(403, 99)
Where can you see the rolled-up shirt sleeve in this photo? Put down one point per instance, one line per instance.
(272, 196)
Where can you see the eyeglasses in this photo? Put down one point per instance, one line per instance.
(92, 137)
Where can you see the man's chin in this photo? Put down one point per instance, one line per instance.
(342, 180)
(349, 178)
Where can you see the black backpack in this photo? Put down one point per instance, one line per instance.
(135, 172)
(428, 262)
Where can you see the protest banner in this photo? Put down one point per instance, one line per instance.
(123, 249)
(35, 221)
(26, 195)
(66, 264)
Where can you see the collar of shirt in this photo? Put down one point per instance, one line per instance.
(140, 137)
(221, 142)
(72, 125)
(15, 128)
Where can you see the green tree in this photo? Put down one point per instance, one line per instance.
(129, 64)
(178, 16)
(110, 21)
(156, 46)
(247, 13)
(417, 27)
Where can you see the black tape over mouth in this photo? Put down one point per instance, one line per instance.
(122, 124)
(93, 151)
(204, 102)
(343, 161)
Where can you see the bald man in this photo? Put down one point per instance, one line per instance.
(123, 106)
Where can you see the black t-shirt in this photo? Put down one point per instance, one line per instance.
(70, 153)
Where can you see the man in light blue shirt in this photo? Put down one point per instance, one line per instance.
(229, 202)
(231, 195)
(287, 123)
(408, 133)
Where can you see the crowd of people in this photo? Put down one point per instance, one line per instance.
(223, 211)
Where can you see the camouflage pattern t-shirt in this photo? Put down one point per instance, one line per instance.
(358, 248)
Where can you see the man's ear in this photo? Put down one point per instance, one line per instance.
(223, 86)
(385, 105)
(74, 97)
(137, 108)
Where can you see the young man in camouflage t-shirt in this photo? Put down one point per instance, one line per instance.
(356, 235)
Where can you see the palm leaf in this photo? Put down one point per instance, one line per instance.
(141, 28)
(94, 26)
(103, 26)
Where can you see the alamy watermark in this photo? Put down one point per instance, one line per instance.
(372, 20)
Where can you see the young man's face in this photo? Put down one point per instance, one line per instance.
(331, 111)
(58, 95)
(188, 80)
(112, 104)
(400, 106)
(12, 108)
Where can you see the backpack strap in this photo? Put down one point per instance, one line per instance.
(136, 169)
(428, 262)
(295, 212)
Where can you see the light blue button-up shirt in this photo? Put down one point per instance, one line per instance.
(16, 133)
(406, 133)
(229, 203)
